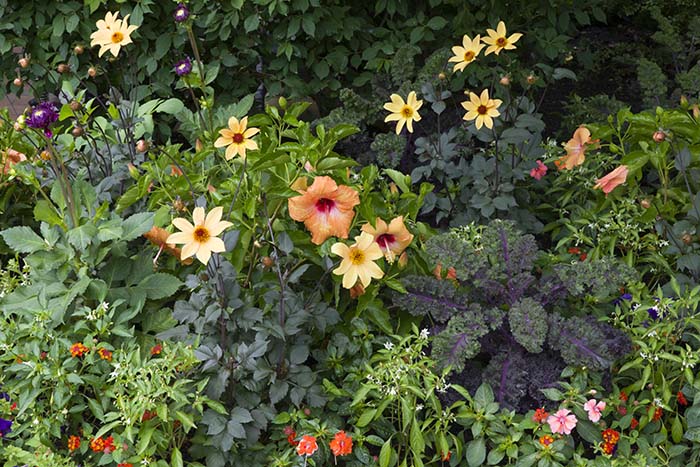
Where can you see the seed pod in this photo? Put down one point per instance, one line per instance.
(75, 106)
(63, 68)
(267, 261)
(77, 131)
(78, 49)
(441, 75)
(645, 203)
(92, 72)
(659, 136)
(23, 62)
(142, 145)
(18, 82)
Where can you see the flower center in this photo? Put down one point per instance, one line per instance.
(482, 110)
(384, 240)
(117, 37)
(238, 138)
(357, 257)
(468, 56)
(407, 112)
(325, 205)
(501, 42)
(38, 113)
(201, 234)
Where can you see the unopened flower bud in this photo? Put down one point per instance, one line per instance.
(75, 106)
(142, 145)
(531, 79)
(307, 411)
(78, 49)
(687, 238)
(133, 171)
(393, 188)
(282, 102)
(267, 261)
(659, 136)
(92, 72)
(696, 111)
(63, 68)
(441, 75)
(18, 82)
(45, 155)
(645, 203)
(178, 205)
(198, 145)
(77, 131)
(403, 260)
(23, 62)
(684, 102)
(505, 80)
(257, 244)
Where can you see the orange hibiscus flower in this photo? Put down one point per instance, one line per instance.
(613, 179)
(10, 158)
(575, 149)
(325, 208)
(341, 444)
(392, 239)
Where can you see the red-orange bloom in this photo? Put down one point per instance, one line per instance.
(611, 436)
(634, 423)
(109, 445)
(446, 456)
(104, 354)
(341, 444)
(546, 440)
(609, 448)
(307, 446)
(9, 158)
(658, 413)
(392, 239)
(73, 443)
(540, 415)
(156, 349)
(613, 179)
(325, 208)
(575, 149)
(78, 349)
(97, 444)
(125, 464)
(680, 397)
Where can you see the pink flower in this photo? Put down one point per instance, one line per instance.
(594, 409)
(613, 179)
(538, 172)
(562, 422)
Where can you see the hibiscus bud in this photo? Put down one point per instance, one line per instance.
(393, 188)
(23, 62)
(505, 80)
(18, 82)
(133, 171)
(267, 261)
(282, 102)
(75, 106)
(77, 131)
(403, 260)
(63, 68)
(78, 49)
(45, 155)
(659, 136)
(646, 204)
(684, 102)
(441, 75)
(92, 72)
(198, 145)
(687, 238)
(531, 79)
(696, 111)
(142, 145)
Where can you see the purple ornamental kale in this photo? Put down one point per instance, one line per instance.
(42, 116)
(181, 13)
(183, 67)
(5, 427)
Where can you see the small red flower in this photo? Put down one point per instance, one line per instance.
(156, 349)
(446, 456)
(78, 349)
(148, 415)
(546, 440)
(307, 446)
(104, 354)
(540, 415)
(623, 395)
(680, 397)
(609, 448)
(73, 443)
(291, 440)
(574, 250)
(622, 410)
(611, 436)
(288, 430)
(634, 423)
(125, 464)
(13, 407)
(97, 444)
(341, 444)
(109, 445)
(658, 413)
(583, 256)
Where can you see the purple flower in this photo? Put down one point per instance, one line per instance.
(42, 116)
(183, 67)
(5, 427)
(625, 296)
(653, 313)
(181, 13)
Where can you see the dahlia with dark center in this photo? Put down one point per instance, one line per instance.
(42, 116)
(181, 13)
(183, 67)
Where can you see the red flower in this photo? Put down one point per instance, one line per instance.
(623, 396)
(658, 413)
(13, 407)
(583, 256)
(109, 445)
(341, 444)
(73, 443)
(446, 456)
(634, 423)
(148, 414)
(611, 436)
(680, 397)
(574, 250)
(307, 446)
(125, 464)
(546, 440)
(78, 349)
(104, 354)
(609, 448)
(97, 444)
(291, 440)
(156, 349)
(540, 415)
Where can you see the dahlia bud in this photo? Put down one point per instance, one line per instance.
(18, 82)
(659, 136)
(133, 171)
(142, 145)
(92, 72)
(531, 79)
(684, 102)
(77, 131)
(75, 106)
(687, 238)
(23, 62)
(198, 146)
(696, 111)
(282, 102)
(645, 203)
(78, 49)
(267, 261)
(63, 68)
(441, 75)
(505, 80)
(45, 155)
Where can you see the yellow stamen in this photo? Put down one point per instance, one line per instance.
(407, 112)
(117, 37)
(468, 56)
(201, 234)
(357, 257)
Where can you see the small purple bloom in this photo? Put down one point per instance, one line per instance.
(626, 296)
(653, 313)
(183, 67)
(4, 395)
(42, 116)
(5, 427)
(181, 13)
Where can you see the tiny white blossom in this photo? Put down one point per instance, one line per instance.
(388, 345)
(424, 333)
(657, 401)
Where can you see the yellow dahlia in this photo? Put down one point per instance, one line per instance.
(358, 261)
(482, 109)
(237, 138)
(404, 113)
(201, 238)
(499, 40)
(467, 53)
(112, 34)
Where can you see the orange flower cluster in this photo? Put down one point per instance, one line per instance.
(546, 440)
(73, 443)
(341, 444)
(610, 439)
(78, 349)
(540, 415)
(104, 354)
(125, 464)
(156, 349)
(100, 444)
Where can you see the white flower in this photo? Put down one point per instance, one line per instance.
(657, 401)
(424, 333)
(388, 345)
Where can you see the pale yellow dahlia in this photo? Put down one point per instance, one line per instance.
(112, 33)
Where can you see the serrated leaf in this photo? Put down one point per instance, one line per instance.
(23, 240)
(159, 285)
(137, 225)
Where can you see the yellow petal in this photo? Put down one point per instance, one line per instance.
(501, 29)
(222, 141)
(203, 254)
(216, 245)
(198, 216)
(183, 224)
(189, 249)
